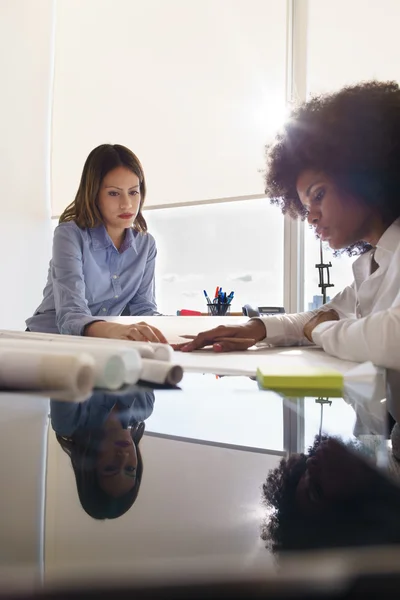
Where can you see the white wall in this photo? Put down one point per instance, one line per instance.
(25, 229)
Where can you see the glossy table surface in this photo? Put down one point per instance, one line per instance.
(160, 480)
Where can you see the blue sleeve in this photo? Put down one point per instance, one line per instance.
(72, 310)
(66, 416)
(144, 301)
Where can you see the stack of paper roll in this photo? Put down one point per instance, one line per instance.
(145, 349)
(113, 362)
(111, 368)
(64, 376)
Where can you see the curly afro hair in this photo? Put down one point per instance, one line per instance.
(368, 517)
(353, 137)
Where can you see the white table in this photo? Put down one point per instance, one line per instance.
(235, 363)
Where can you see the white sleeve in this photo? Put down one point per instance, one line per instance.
(287, 330)
(374, 338)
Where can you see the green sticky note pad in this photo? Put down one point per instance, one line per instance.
(305, 381)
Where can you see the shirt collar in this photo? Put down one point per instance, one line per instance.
(385, 248)
(390, 240)
(102, 240)
(129, 240)
(388, 244)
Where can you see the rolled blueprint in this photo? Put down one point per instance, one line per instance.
(70, 374)
(113, 368)
(145, 349)
(161, 372)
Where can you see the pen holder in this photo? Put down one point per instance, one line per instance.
(219, 310)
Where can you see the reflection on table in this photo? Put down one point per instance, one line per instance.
(183, 470)
(102, 438)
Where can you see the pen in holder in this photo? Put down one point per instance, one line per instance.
(221, 305)
(219, 310)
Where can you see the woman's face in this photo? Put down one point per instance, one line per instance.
(339, 218)
(117, 461)
(119, 198)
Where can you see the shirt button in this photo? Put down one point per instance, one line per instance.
(115, 276)
(116, 296)
(104, 310)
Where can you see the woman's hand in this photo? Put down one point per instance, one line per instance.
(320, 317)
(138, 332)
(227, 338)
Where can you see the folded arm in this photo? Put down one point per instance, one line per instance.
(288, 329)
(374, 338)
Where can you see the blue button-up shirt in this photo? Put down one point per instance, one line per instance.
(68, 417)
(88, 277)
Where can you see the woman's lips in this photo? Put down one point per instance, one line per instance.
(323, 233)
(126, 216)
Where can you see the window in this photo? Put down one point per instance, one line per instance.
(341, 273)
(197, 90)
(235, 245)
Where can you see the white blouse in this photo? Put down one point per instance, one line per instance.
(369, 311)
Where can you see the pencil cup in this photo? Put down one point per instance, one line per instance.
(219, 310)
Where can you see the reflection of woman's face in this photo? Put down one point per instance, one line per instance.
(117, 460)
(333, 474)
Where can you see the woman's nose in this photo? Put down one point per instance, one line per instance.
(124, 201)
(313, 218)
(122, 458)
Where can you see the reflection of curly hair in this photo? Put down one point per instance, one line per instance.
(279, 495)
(368, 518)
(353, 137)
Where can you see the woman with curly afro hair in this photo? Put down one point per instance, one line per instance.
(336, 163)
(332, 496)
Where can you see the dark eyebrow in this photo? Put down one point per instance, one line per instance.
(308, 190)
(117, 188)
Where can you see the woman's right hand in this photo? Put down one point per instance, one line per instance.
(227, 338)
(137, 332)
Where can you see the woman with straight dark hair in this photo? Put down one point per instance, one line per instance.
(102, 438)
(103, 257)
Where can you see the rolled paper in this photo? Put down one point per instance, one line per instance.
(71, 374)
(133, 365)
(112, 368)
(162, 352)
(161, 372)
(110, 372)
(145, 349)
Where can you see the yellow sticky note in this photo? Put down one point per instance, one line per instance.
(305, 381)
